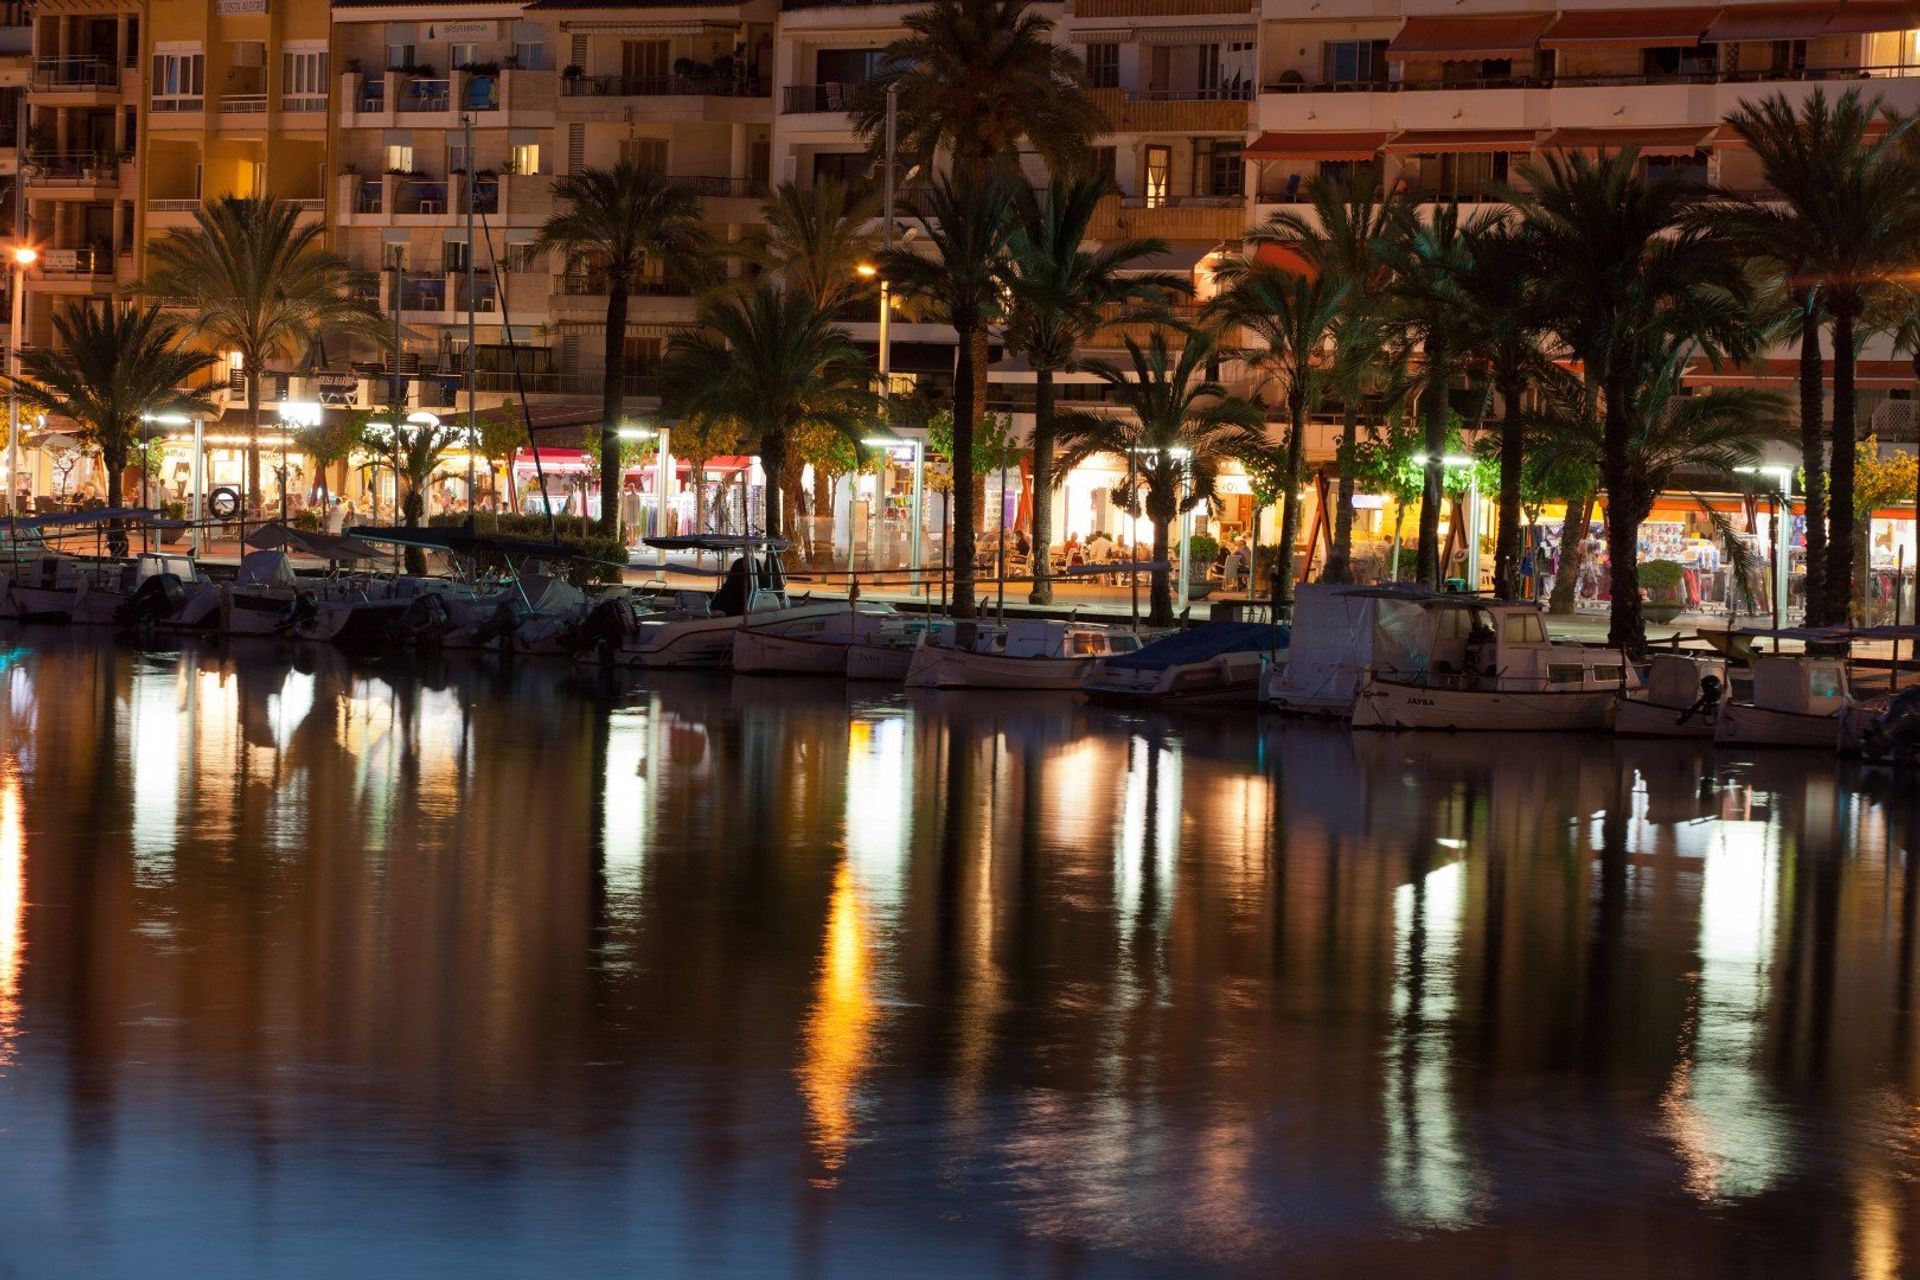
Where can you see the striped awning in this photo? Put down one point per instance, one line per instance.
(1475, 39)
(1438, 142)
(1628, 28)
(1233, 34)
(1348, 144)
(1676, 140)
(1869, 17)
(1738, 24)
(1102, 35)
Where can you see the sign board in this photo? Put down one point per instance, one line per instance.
(462, 32)
(234, 8)
(60, 259)
(336, 388)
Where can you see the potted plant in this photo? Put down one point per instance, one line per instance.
(173, 535)
(1201, 553)
(573, 71)
(353, 66)
(1664, 585)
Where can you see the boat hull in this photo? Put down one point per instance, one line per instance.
(937, 667)
(43, 604)
(888, 662)
(759, 651)
(1217, 681)
(1386, 704)
(1745, 725)
(1637, 718)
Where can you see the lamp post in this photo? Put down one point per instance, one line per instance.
(917, 460)
(1453, 462)
(146, 462)
(295, 414)
(24, 256)
(662, 469)
(1782, 538)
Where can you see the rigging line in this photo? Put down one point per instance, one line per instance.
(519, 378)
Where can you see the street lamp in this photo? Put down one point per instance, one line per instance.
(662, 477)
(24, 256)
(917, 458)
(295, 414)
(1782, 538)
(1453, 462)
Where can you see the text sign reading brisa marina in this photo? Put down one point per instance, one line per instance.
(463, 31)
(232, 8)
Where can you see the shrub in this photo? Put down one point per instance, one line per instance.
(1201, 549)
(1661, 580)
(574, 532)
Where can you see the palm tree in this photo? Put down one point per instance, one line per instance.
(615, 222)
(1181, 425)
(1060, 295)
(1296, 316)
(968, 221)
(771, 361)
(1841, 221)
(1343, 237)
(106, 369)
(249, 277)
(817, 239)
(1626, 272)
(1430, 311)
(1515, 356)
(982, 81)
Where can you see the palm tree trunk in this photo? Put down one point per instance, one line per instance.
(253, 432)
(1573, 555)
(696, 467)
(774, 465)
(1340, 558)
(1290, 500)
(1627, 628)
(1840, 513)
(1813, 464)
(115, 462)
(1042, 592)
(1506, 550)
(1160, 605)
(964, 409)
(1433, 407)
(612, 401)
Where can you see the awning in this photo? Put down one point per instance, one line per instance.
(1286, 258)
(1740, 23)
(1672, 140)
(1866, 17)
(1103, 35)
(1437, 142)
(1727, 138)
(1179, 259)
(1497, 35)
(1349, 144)
(1195, 35)
(1628, 28)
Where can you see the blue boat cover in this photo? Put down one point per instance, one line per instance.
(1197, 644)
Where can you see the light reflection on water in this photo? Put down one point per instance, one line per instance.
(467, 971)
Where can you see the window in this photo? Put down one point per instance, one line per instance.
(1608, 675)
(1105, 163)
(645, 59)
(304, 75)
(845, 66)
(1788, 55)
(1566, 673)
(1159, 167)
(525, 157)
(647, 153)
(463, 55)
(643, 353)
(1342, 173)
(1226, 70)
(1218, 169)
(1522, 628)
(1824, 682)
(400, 157)
(399, 56)
(458, 161)
(522, 260)
(1354, 62)
(1103, 66)
(849, 168)
(179, 81)
(530, 54)
(1488, 69)
(453, 257)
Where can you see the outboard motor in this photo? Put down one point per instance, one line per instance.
(153, 602)
(424, 622)
(1895, 732)
(304, 607)
(506, 619)
(1708, 703)
(603, 630)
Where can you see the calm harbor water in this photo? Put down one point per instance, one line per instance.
(453, 969)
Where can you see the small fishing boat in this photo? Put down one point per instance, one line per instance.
(808, 646)
(887, 654)
(697, 629)
(1683, 698)
(1028, 653)
(1799, 700)
(1213, 662)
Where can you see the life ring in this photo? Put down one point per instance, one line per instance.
(224, 503)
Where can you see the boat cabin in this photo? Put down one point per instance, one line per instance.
(1038, 638)
(1800, 685)
(153, 564)
(1675, 679)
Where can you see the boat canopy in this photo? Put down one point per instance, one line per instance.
(1197, 644)
(1799, 685)
(99, 515)
(718, 542)
(1673, 679)
(458, 539)
(265, 569)
(325, 546)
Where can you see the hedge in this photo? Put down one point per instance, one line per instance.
(573, 532)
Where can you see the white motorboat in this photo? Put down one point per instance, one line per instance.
(1488, 665)
(887, 654)
(1028, 653)
(816, 645)
(266, 597)
(1799, 700)
(375, 613)
(1683, 698)
(1338, 636)
(1213, 662)
(539, 620)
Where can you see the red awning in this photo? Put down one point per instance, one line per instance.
(1785, 371)
(1286, 258)
(1352, 144)
(1727, 138)
(1494, 35)
(1744, 22)
(1866, 17)
(1439, 142)
(1628, 28)
(1680, 140)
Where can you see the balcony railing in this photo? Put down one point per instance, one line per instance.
(723, 186)
(75, 73)
(370, 197)
(801, 98)
(243, 104)
(302, 103)
(586, 285)
(177, 104)
(74, 168)
(1195, 93)
(373, 95)
(424, 95)
(667, 86)
(1183, 202)
(87, 260)
(420, 195)
(1685, 76)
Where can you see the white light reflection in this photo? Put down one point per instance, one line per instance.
(1430, 1180)
(1149, 829)
(13, 910)
(627, 806)
(1717, 1109)
(879, 774)
(153, 749)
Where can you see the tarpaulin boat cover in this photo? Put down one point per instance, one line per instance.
(1342, 633)
(1197, 644)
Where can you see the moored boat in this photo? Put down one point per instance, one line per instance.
(1683, 698)
(816, 645)
(1028, 653)
(1799, 700)
(1212, 662)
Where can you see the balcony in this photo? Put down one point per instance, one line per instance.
(243, 111)
(420, 197)
(370, 196)
(81, 173)
(372, 96)
(666, 87)
(421, 291)
(1293, 82)
(177, 111)
(89, 260)
(803, 99)
(588, 285)
(1193, 109)
(1218, 217)
(302, 104)
(420, 94)
(88, 78)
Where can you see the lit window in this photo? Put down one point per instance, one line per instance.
(526, 157)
